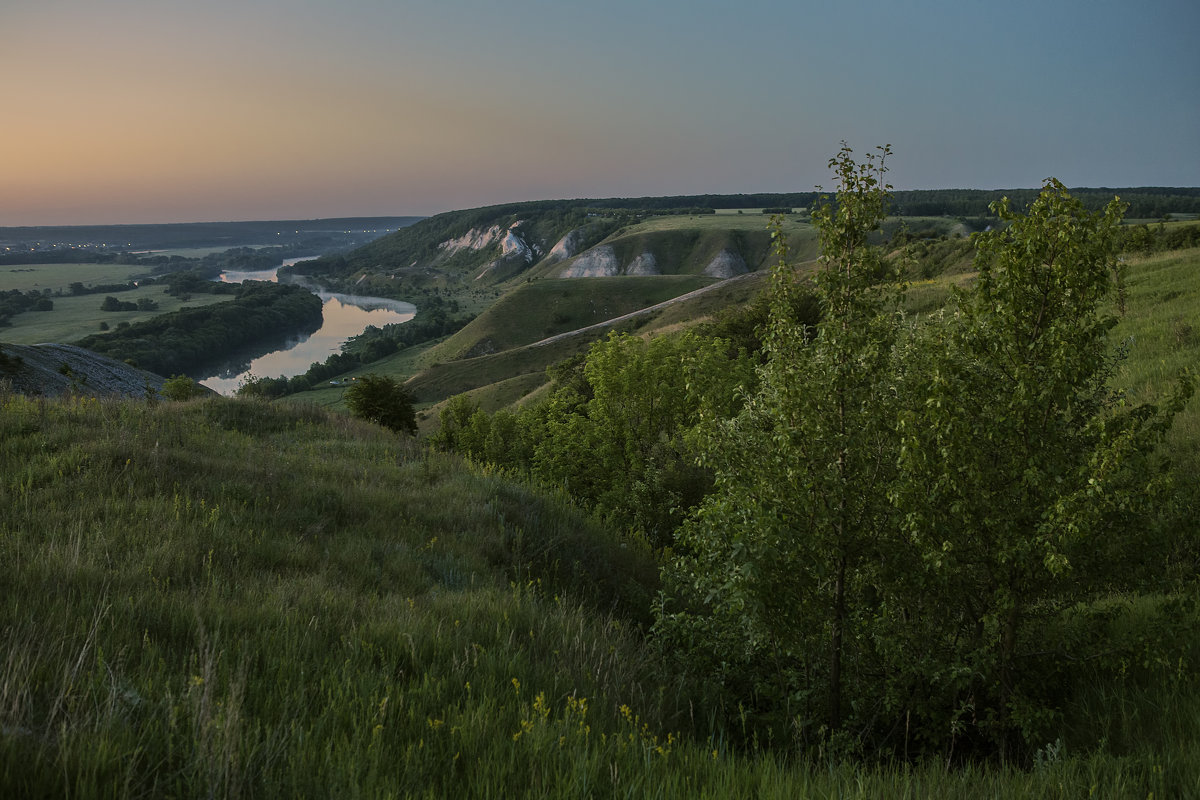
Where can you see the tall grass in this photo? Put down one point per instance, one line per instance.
(1161, 332)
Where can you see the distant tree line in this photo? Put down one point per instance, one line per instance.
(188, 339)
(198, 280)
(1142, 202)
(14, 301)
(235, 258)
(1146, 239)
(113, 304)
(78, 289)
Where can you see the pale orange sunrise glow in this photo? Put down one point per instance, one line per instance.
(144, 111)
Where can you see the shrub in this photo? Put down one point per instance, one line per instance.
(379, 399)
(181, 387)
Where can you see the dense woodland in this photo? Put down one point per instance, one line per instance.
(186, 340)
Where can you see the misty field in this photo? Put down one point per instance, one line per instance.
(60, 276)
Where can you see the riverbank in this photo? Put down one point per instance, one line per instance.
(343, 317)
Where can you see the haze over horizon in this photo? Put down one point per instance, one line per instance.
(134, 111)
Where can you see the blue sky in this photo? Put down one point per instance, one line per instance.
(150, 111)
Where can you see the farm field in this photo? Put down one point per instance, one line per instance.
(61, 276)
(74, 317)
(751, 222)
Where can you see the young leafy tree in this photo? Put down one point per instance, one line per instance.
(1021, 470)
(181, 387)
(774, 582)
(624, 450)
(380, 399)
(454, 424)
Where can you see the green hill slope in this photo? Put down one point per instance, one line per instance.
(224, 598)
(534, 311)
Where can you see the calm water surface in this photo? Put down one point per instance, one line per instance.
(345, 315)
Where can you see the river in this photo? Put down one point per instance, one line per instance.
(345, 315)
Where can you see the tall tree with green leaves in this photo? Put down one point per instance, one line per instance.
(774, 580)
(1022, 472)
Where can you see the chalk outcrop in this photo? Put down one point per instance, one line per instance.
(599, 262)
(726, 265)
(644, 264)
(474, 239)
(567, 247)
(514, 246)
(516, 253)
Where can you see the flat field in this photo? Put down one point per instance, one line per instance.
(723, 222)
(74, 317)
(61, 276)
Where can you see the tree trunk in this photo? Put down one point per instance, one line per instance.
(835, 645)
(1008, 647)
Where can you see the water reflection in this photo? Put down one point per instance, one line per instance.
(344, 316)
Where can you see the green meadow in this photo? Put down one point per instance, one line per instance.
(57, 277)
(223, 598)
(76, 316)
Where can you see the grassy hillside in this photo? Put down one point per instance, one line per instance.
(1161, 334)
(224, 598)
(544, 308)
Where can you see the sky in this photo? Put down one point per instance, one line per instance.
(138, 111)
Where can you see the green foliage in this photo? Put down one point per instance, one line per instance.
(111, 303)
(614, 433)
(181, 387)
(1144, 239)
(1024, 478)
(769, 594)
(380, 399)
(901, 519)
(623, 448)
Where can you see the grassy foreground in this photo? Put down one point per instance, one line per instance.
(228, 599)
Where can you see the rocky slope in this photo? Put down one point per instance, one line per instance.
(55, 369)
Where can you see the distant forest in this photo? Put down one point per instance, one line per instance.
(1144, 202)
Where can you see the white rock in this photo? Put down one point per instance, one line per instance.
(567, 246)
(726, 265)
(599, 262)
(645, 264)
